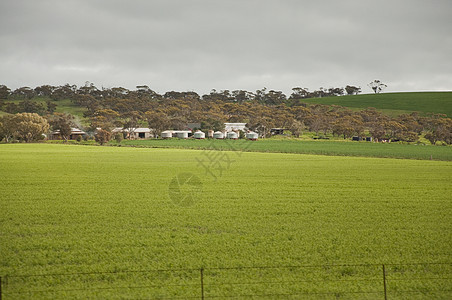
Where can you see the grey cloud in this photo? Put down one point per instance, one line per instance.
(247, 44)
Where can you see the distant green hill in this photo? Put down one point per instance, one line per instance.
(394, 103)
(65, 105)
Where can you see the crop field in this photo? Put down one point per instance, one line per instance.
(90, 222)
(367, 149)
(394, 103)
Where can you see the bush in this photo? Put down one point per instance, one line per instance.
(119, 137)
(102, 136)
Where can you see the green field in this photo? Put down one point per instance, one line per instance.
(82, 209)
(288, 145)
(394, 103)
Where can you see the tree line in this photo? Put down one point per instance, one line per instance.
(261, 110)
(263, 96)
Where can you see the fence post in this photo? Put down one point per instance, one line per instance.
(384, 281)
(202, 284)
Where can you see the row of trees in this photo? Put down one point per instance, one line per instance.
(263, 96)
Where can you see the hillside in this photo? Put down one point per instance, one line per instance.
(63, 106)
(394, 103)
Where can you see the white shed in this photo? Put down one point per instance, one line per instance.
(232, 135)
(140, 133)
(182, 134)
(252, 136)
(166, 134)
(199, 135)
(218, 135)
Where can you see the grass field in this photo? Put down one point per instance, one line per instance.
(287, 145)
(68, 209)
(394, 103)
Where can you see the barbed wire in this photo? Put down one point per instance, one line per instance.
(226, 268)
(198, 274)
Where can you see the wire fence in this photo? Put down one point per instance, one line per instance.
(359, 281)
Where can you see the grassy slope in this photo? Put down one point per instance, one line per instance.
(395, 103)
(65, 105)
(81, 209)
(340, 148)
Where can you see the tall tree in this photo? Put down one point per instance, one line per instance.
(102, 136)
(23, 93)
(4, 92)
(352, 90)
(63, 123)
(299, 93)
(157, 122)
(377, 86)
(106, 119)
(31, 126)
(8, 127)
(296, 127)
(131, 121)
(51, 106)
(44, 90)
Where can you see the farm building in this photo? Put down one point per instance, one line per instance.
(277, 131)
(75, 132)
(166, 134)
(252, 136)
(234, 127)
(134, 133)
(218, 135)
(199, 135)
(182, 134)
(232, 135)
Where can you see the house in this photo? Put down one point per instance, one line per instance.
(75, 132)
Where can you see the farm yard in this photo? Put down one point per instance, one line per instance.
(109, 222)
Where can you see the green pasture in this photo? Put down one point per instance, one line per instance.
(69, 209)
(322, 147)
(394, 103)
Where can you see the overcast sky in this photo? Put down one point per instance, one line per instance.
(200, 45)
